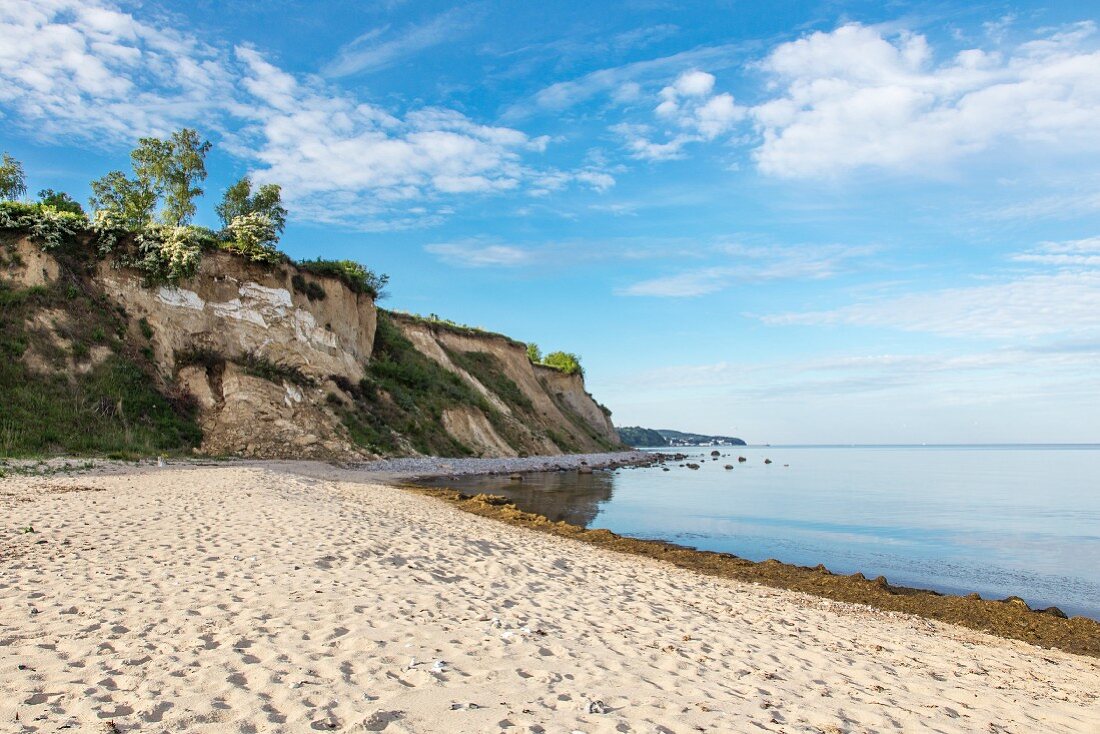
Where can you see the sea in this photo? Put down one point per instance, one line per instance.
(999, 520)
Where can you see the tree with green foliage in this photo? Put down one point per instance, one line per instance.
(130, 202)
(565, 362)
(163, 169)
(60, 201)
(239, 200)
(534, 353)
(13, 182)
(173, 168)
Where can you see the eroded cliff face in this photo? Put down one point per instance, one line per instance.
(277, 374)
(548, 412)
(241, 314)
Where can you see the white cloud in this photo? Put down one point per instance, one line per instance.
(619, 79)
(369, 52)
(1063, 303)
(91, 72)
(857, 97)
(476, 254)
(861, 97)
(689, 105)
(750, 265)
(1075, 252)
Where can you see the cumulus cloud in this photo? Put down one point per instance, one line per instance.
(695, 112)
(858, 97)
(863, 97)
(91, 71)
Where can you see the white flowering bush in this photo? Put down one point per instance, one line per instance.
(166, 254)
(49, 227)
(253, 237)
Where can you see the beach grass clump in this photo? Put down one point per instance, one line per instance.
(63, 396)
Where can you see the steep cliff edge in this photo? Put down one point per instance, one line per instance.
(243, 359)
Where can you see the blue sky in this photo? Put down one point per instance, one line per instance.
(790, 221)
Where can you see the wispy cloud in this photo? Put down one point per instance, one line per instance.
(477, 254)
(92, 72)
(742, 264)
(382, 47)
(566, 94)
(1064, 303)
(88, 71)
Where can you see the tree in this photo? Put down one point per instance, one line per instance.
(130, 201)
(239, 200)
(13, 183)
(566, 362)
(170, 169)
(534, 353)
(60, 201)
(173, 168)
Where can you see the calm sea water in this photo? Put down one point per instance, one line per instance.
(998, 520)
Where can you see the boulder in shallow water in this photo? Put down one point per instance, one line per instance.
(767, 461)
(516, 477)
(729, 466)
(741, 459)
(584, 469)
(715, 453)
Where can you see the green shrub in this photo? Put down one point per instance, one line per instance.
(356, 277)
(166, 254)
(565, 362)
(312, 290)
(50, 228)
(198, 355)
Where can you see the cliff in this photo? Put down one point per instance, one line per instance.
(243, 359)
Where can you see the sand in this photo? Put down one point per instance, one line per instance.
(257, 599)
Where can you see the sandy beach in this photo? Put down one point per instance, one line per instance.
(268, 598)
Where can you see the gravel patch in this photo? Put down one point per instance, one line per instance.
(427, 467)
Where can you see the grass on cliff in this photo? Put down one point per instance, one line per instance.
(90, 390)
(403, 397)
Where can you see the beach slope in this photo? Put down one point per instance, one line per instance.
(257, 599)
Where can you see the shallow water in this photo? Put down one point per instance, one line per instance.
(998, 520)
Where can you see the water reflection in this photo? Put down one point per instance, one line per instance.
(574, 498)
(995, 520)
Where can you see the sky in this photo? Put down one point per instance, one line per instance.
(794, 222)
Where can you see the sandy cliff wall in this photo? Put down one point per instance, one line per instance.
(554, 415)
(276, 374)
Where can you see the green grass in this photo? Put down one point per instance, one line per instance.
(112, 408)
(404, 396)
(487, 369)
(356, 277)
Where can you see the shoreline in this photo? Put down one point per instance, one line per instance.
(288, 597)
(1010, 618)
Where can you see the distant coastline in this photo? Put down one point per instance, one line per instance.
(639, 437)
